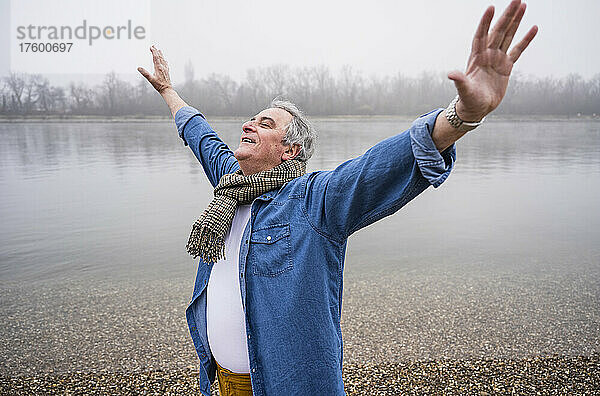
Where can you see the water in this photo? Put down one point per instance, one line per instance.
(502, 260)
(106, 200)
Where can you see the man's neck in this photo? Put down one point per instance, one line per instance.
(248, 169)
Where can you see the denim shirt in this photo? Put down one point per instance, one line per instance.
(292, 253)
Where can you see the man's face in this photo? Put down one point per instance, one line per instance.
(261, 146)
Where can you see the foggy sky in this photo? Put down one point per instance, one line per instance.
(375, 37)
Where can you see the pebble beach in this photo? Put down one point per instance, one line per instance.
(534, 376)
(431, 334)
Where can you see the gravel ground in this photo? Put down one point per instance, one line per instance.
(547, 376)
(419, 333)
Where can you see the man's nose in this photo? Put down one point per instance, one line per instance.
(248, 127)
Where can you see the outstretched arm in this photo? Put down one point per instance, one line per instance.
(394, 171)
(483, 85)
(161, 81)
(214, 155)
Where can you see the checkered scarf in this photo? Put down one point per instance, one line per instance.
(207, 238)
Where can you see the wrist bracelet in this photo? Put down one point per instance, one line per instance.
(456, 122)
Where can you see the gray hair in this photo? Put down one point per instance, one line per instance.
(299, 131)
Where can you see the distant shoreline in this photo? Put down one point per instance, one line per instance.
(143, 119)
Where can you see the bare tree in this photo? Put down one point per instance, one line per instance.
(4, 97)
(59, 99)
(221, 89)
(348, 85)
(324, 90)
(301, 87)
(275, 79)
(595, 95)
(16, 85)
(109, 90)
(116, 96)
(255, 84)
(188, 71)
(44, 95)
(82, 98)
(30, 93)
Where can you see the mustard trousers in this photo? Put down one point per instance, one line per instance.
(233, 384)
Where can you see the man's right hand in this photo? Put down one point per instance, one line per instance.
(160, 80)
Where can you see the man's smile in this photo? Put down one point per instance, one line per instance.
(246, 138)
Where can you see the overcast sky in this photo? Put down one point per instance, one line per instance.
(381, 37)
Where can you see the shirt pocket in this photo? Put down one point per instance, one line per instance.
(270, 250)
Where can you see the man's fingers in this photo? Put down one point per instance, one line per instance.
(499, 30)
(162, 58)
(460, 80)
(512, 29)
(144, 73)
(480, 38)
(518, 49)
(155, 56)
(158, 59)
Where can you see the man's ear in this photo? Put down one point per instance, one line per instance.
(290, 152)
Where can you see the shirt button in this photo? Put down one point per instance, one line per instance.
(269, 238)
(248, 336)
(254, 370)
(242, 275)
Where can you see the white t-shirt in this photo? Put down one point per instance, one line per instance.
(226, 324)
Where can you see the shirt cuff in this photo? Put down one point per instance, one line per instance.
(182, 117)
(434, 166)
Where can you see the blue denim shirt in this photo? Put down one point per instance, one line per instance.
(292, 253)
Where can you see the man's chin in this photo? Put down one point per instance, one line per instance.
(241, 154)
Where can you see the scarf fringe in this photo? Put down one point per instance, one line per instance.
(205, 243)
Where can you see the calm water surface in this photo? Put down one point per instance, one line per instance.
(102, 200)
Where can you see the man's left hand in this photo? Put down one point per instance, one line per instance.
(483, 85)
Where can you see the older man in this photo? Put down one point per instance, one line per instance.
(265, 312)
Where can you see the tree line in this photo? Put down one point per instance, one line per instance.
(316, 89)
